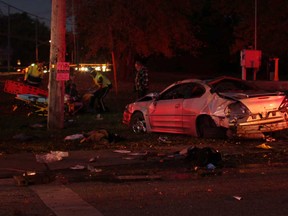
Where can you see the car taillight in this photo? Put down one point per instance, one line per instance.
(284, 105)
(237, 110)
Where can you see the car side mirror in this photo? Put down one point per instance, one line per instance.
(156, 97)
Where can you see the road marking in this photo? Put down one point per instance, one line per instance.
(63, 201)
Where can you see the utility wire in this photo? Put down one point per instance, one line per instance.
(38, 17)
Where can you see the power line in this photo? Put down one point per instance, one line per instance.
(38, 17)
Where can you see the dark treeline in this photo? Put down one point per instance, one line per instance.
(178, 35)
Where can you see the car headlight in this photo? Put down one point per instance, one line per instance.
(237, 110)
(129, 108)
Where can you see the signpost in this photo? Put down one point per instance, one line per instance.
(250, 59)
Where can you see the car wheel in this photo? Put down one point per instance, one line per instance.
(207, 128)
(137, 123)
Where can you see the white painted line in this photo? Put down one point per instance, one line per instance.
(63, 201)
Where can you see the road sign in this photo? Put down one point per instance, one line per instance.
(63, 69)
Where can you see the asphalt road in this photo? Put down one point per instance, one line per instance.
(256, 190)
(262, 191)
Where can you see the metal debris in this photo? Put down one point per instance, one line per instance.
(164, 139)
(122, 151)
(77, 167)
(74, 137)
(237, 198)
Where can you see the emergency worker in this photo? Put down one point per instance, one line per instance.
(103, 86)
(34, 74)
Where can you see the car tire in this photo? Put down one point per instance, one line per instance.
(137, 123)
(207, 128)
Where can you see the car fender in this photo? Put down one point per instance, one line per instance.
(144, 110)
(216, 109)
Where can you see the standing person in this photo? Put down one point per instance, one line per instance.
(141, 79)
(34, 74)
(103, 85)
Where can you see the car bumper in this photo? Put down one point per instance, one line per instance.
(263, 126)
(126, 117)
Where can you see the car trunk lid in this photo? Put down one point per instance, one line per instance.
(263, 103)
(256, 102)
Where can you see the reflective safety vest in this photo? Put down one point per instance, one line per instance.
(101, 80)
(35, 71)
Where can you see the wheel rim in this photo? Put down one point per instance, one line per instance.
(139, 126)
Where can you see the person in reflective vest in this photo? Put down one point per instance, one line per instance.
(103, 86)
(34, 74)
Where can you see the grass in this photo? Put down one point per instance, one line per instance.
(30, 134)
(23, 133)
(20, 132)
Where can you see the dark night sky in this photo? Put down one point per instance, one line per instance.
(40, 8)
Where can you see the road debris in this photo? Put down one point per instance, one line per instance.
(203, 156)
(138, 153)
(264, 146)
(93, 169)
(237, 198)
(210, 166)
(93, 159)
(32, 178)
(37, 125)
(74, 137)
(270, 139)
(53, 156)
(99, 117)
(129, 158)
(96, 136)
(164, 139)
(122, 151)
(101, 136)
(77, 167)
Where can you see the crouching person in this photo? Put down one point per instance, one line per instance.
(103, 86)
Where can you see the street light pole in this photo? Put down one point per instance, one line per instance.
(9, 41)
(255, 32)
(36, 39)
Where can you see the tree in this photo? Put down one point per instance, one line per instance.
(271, 19)
(214, 30)
(134, 29)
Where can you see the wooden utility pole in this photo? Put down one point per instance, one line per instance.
(57, 54)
